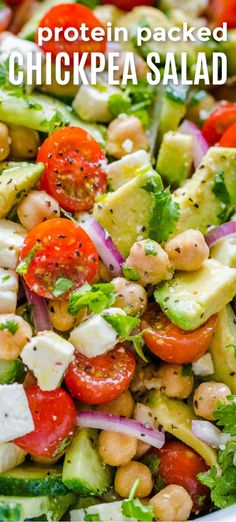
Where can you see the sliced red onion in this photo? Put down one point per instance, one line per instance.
(106, 249)
(107, 421)
(39, 310)
(210, 434)
(200, 145)
(227, 229)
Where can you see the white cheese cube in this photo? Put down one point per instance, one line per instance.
(47, 355)
(10, 456)
(204, 365)
(15, 415)
(11, 240)
(91, 103)
(8, 291)
(94, 337)
(121, 171)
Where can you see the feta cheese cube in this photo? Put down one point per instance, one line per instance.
(47, 355)
(91, 103)
(10, 456)
(12, 238)
(8, 291)
(204, 365)
(94, 337)
(123, 170)
(15, 415)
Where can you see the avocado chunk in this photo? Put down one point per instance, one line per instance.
(31, 480)
(125, 213)
(223, 348)
(176, 418)
(175, 158)
(190, 298)
(108, 512)
(15, 182)
(33, 507)
(125, 169)
(83, 470)
(224, 251)
(199, 205)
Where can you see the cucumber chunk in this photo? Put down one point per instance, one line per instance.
(11, 371)
(29, 479)
(34, 507)
(10, 511)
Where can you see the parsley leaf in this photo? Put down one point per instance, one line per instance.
(119, 103)
(123, 324)
(130, 273)
(10, 325)
(89, 517)
(24, 264)
(150, 248)
(135, 99)
(165, 213)
(187, 370)
(219, 188)
(61, 286)
(137, 340)
(96, 297)
(5, 278)
(225, 416)
(133, 508)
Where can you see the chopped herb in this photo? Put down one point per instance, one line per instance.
(133, 508)
(130, 273)
(5, 278)
(10, 325)
(150, 248)
(165, 214)
(139, 345)
(187, 370)
(225, 415)
(24, 264)
(62, 285)
(219, 188)
(89, 517)
(96, 297)
(135, 99)
(123, 324)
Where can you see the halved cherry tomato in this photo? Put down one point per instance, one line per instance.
(73, 172)
(5, 18)
(100, 379)
(180, 464)
(54, 416)
(229, 137)
(56, 249)
(224, 11)
(14, 2)
(127, 6)
(172, 344)
(67, 16)
(219, 121)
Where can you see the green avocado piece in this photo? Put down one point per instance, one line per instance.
(190, 298)
(224, 251)
(125, 213)
(223, 348)
(175, 158)
(15, 182)
(83, 469)
(199, 206)
(176, 418)
(31, 480)
(34, 507)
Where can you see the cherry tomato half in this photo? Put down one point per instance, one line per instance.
(73, 172)
(229, 137)
(54, 416)
(56, 249)
(127, 6)
(67, 16)
(224, 11)
(180, 464)
(219, 121)
(5, 17)
(172, 344)
(100, 379)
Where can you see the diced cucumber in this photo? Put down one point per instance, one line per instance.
(173, 108)
(29, 479)
(10, 512)
(29, 29)
(11, 371)
(83, 470)
(34, 507)
(15, 182)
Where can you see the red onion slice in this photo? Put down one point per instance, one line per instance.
(107, 421)
(39, 310)
(210, 434)
(106, 249)
(200, 145)
(227, 229)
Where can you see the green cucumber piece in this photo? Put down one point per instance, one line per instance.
(11, 371)
(29, 479)
(35, 507)
(10, 511)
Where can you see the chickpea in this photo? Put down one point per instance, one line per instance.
(188, 250)
(116, 449)
(124, 405)
(103, 274)
(24, 142)
(11, 344)
(172, 381)
(131, 296)
(4, 142)
(37, 207)
(126, 134)
(172, 503)
(152, 268)
(61, 319)
(126, 475)
(206, 397)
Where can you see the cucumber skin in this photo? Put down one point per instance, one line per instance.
(80, 487)
(11, 371)
(47, 486)
(10, 512)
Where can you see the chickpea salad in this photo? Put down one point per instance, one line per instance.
(117, 279)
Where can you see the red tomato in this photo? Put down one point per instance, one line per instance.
(229, 137)
(73, 172)
(58, 248)
(100, 379)
(71, 15)
(127, 6)
(172, 344)
(219, 121)
(14, 2)
(54, 416)
(224, 11)
(180, 464)
(5, 17)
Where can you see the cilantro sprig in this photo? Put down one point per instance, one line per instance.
(225, 416)
(97, 298)
(165, 213)
(135, 99)
(133, 507)
(123, 324)
(10, 325)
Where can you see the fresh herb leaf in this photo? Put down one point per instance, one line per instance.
(91, 517)
(61, 286)
(137, 340)
(5, 278)
(135, 99)
(10, 325)
(219, 188)
(23, 266)
(150, 248)
(123, 324)
(130, 273)
(96, 297)
(225, 416)
(119, 103)
(165, 214)
(187, 370)
(133, 508)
